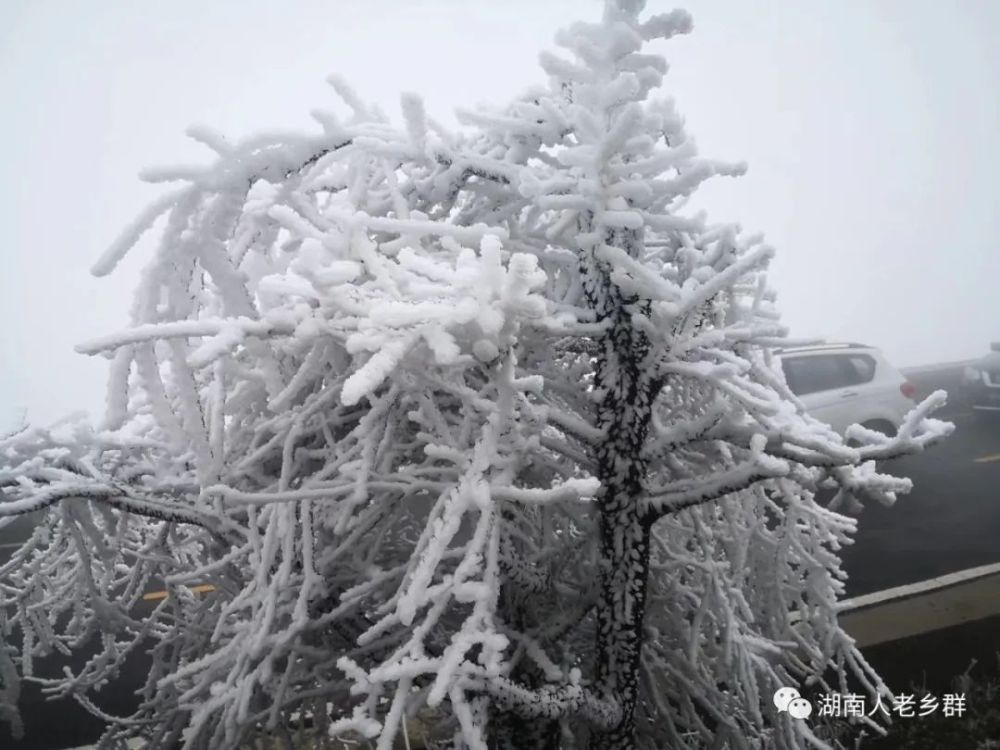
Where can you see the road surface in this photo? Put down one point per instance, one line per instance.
(951, 521)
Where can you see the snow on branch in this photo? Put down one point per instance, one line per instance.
(572, 489)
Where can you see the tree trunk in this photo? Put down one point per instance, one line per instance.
(626, 392)
(621, 608)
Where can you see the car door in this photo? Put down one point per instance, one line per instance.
(826, 384)
(876, 394)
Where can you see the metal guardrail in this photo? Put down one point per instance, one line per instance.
(918, 608)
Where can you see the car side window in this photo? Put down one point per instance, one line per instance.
(827, 372)
(862, 368)
(813, 374)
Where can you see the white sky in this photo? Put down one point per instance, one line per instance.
(872, 130)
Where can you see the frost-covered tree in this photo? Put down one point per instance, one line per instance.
(479, 430)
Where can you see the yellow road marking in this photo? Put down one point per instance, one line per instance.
(987, 459)
(203, 588)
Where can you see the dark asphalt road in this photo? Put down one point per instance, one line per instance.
(951, 521)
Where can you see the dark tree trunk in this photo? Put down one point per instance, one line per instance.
(625, 555)
(624, 569)
(627, 391)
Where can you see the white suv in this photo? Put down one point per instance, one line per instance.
(845, 384)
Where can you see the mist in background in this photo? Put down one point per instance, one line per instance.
(872, 131)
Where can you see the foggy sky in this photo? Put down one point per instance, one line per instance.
(872, 131)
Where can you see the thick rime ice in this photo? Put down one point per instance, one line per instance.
(476, 432)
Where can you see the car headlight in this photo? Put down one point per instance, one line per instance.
(971, 375)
